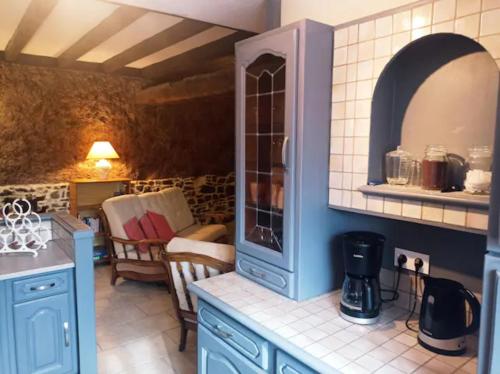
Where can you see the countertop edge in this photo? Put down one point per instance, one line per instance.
(47, 269)
(296, 352)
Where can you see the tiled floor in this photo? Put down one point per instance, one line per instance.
(137, 330)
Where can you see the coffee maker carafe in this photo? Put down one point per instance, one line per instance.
(360, 302)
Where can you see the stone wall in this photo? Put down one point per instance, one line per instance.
(44, 198)
(49, 118)
(210, 197)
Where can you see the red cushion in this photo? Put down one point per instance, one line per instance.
(162, 228)
(134, 232)
(147, 227)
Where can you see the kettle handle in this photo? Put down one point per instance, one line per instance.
(475, 308)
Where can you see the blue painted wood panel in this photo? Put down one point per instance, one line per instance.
(286, 364)
(217, 357)
(489, 335)
(44, 333)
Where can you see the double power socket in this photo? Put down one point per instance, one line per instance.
(410, 260)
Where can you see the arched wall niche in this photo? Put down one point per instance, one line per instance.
(439, 89)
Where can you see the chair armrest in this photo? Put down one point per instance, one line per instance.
(197, 258)
(137, 242)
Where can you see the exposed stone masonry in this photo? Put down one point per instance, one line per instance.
(44, 198)
(210, 197)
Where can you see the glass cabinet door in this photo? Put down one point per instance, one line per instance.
(265, 143)
(265, 146)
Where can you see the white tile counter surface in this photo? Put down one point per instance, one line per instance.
(315, 329)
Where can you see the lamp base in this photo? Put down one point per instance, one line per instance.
(103, 168)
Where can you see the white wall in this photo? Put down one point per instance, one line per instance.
(334, 12)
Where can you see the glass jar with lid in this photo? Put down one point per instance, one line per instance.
(478, 176)
(434, 167)
(397, 166)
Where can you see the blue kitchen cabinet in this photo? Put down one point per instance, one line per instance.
(44, 336)
(227, 346)
(217, 357)
(38, 324)
(286, 364)
(283, 90)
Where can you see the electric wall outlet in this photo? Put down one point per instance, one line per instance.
(410, 262)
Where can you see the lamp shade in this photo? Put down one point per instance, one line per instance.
(102, 150)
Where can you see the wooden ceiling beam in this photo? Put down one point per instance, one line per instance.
(35, 15)
(204, 85)
(115, 22)
(157, 42)
(52, 62)
(191, 61)
(181, 72)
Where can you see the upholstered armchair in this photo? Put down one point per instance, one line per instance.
(188, 261)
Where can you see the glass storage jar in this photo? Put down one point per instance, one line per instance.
(434, 167)
(478, 176)
(397, 166)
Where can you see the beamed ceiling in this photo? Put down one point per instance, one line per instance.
(109, 37)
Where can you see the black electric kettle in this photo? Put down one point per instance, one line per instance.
(443, 322)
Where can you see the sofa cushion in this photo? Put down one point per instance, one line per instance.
(147, 227)
(134, 232)
(119, 210)
(161, 226)
(155, 202)
(208, 233)
(188, 273)
(177, 211)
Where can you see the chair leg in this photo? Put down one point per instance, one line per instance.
(184, 331)
(114, 274)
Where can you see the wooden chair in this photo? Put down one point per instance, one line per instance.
(132, 263)
(185, 268)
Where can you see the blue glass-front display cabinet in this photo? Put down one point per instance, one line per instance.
(283, 91)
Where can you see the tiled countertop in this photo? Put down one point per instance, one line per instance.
(313, 332)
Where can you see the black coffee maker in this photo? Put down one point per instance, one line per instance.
(443, 321)
(360, 302)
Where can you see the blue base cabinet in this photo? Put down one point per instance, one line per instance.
(227, 347)
(38, 325)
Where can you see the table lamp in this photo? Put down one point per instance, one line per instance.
(102, 151)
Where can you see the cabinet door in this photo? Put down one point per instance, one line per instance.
(489, 337)
(265, 147)
(217, 357)
(43, 334)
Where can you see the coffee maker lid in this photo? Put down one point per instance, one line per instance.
(363, 238)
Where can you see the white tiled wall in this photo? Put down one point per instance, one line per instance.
(361, 52)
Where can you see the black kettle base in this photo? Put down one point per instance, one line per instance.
(446, 347)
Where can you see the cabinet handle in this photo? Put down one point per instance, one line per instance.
(43, 287)
(66, 334)
(219, 331)
(284, 152)
(256, 273)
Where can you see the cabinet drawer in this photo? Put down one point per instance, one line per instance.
(277, 279)
(41, 286)
(286, 364)
(217, 357)
(246, 342)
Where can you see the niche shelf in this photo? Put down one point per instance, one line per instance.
(440, 89)
(460, 198)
